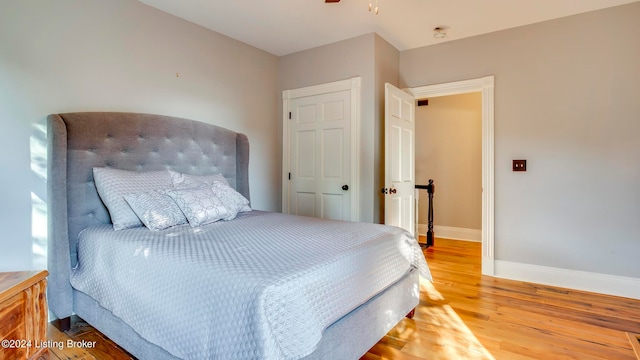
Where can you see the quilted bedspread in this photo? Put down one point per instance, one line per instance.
(264, 285)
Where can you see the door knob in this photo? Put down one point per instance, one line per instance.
(392, 191)
(345, 187)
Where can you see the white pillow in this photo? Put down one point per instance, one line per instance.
(183, 181)
(200, 205)
(232, 200)
(114, 184)
(156, 209)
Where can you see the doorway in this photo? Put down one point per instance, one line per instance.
(449, 150)
(485, 86)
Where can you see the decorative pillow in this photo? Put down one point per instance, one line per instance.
(200, 205)
(183, 181)
(232, 200)
(156, 209)
(114, 184)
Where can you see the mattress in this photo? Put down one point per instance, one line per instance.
(264, 285)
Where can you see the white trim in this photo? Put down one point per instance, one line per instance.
(356, 89)
(452, 233)
(485, 85)
(286, 107)
(352, 84)
(573, 279)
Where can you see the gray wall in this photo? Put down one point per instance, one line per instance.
(567, 100)
(118, 55)
(339, 61)
(449, 151)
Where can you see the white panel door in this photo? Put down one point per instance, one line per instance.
(399, 159)
(320, 159)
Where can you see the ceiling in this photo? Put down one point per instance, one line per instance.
(283, 27)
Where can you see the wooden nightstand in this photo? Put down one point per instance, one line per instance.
(23, 315)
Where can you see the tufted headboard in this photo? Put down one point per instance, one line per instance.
(77, 142)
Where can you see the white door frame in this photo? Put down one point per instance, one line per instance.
(354, 85)
(485, 85)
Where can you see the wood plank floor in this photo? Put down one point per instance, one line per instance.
(463, 315)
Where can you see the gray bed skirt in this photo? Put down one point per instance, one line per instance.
(378, 315)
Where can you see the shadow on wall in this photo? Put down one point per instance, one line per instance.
(38, 149)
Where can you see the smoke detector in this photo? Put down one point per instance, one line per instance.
(439, 32)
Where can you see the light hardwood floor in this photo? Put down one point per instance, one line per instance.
(463, 315)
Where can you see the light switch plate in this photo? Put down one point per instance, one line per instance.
(519, 165)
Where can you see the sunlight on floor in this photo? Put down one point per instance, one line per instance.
(451, 334)
(426, 287)
(447, 336)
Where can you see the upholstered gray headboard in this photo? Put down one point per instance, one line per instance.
(138, 142)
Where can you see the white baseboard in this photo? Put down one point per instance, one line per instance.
(453, 233)
(580, 280)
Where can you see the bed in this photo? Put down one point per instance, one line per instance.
(258, 285)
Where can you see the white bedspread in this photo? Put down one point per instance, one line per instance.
(264, 285)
